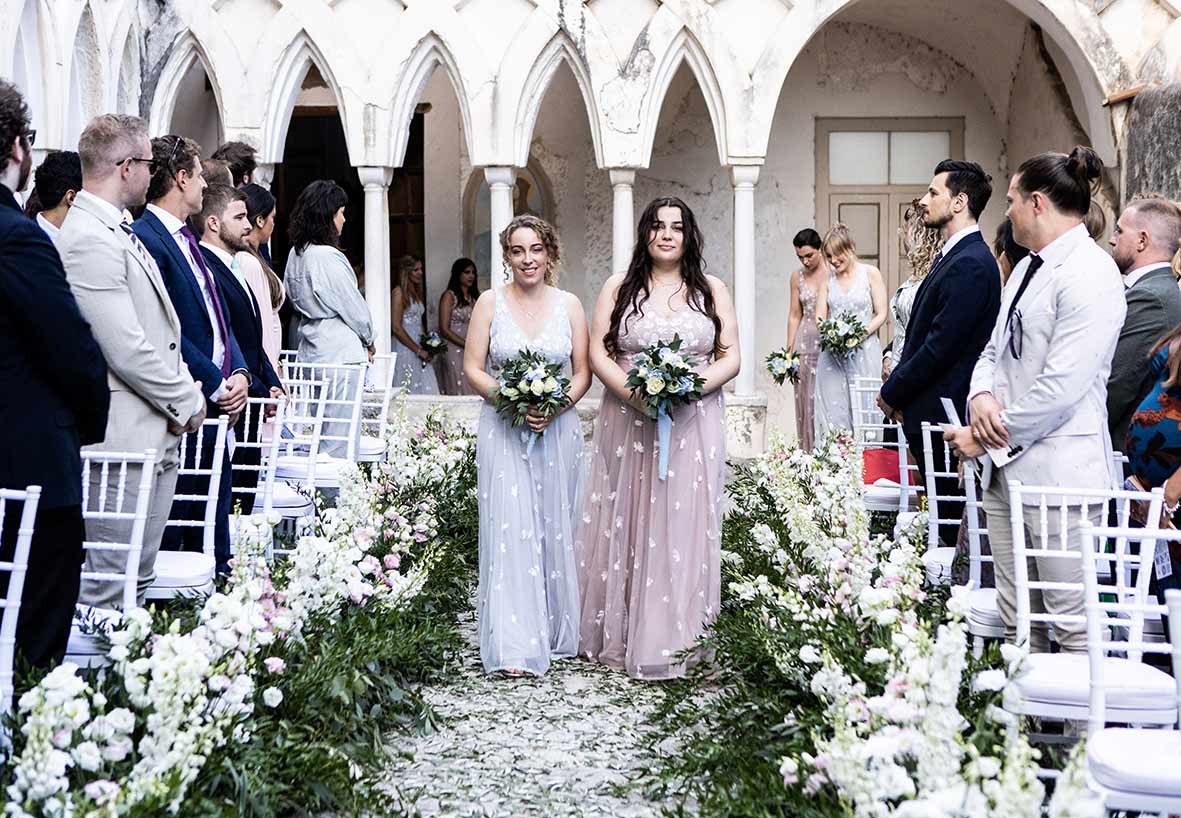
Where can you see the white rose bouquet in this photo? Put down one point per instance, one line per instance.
(530, 381)
(840, 335)
(784, 366)
(433, 343)
(662, 378)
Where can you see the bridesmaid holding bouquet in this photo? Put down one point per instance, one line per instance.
(648, 548)
(528, 472)
(455, 313)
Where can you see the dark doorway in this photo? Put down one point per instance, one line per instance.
(316, 149)
(407, 198)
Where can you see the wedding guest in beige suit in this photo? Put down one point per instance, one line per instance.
(119, 290)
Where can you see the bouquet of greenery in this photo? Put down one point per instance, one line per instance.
(433, 343)
(662, 378)
(530, 381)
(841, 335)
(784, 366)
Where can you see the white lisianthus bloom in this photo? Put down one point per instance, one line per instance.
(790, 770)
(88, 756)
(809, 655)
(990, 680)
(272, 697)
(877, 656)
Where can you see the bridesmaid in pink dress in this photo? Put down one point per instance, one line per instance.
(455, 313)
(809, 287)
(648, 550)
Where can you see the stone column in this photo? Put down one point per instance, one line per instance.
(623, 223)
(376, 181)
(744, 178)
(263, 174)
(502, 180)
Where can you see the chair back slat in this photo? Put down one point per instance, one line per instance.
(933, 442)
(125, 463)
(1116, 627)
(341, 391)
(869, 432)
(264, 434)
(378, 395)
(16, 569)
(199, 461)
(1055, 505)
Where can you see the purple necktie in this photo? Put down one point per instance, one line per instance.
(195, 251)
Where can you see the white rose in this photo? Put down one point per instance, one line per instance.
(272, 696)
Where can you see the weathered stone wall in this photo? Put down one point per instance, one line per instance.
(1154, 143)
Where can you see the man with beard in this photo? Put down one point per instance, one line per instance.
(55, 399)
(952, 318)
(1143, 244)
(223, 226)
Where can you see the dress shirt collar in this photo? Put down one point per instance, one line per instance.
(50, 229)
(1060, 248)
(958, 236)
(113, 215)
(1131, 278)
(171, 223)
(226, 258)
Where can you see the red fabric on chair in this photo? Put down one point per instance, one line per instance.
(879, 463)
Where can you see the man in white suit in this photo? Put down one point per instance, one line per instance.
(1038, 399)
(119, 291)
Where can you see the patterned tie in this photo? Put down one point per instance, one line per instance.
(140, 250)
(195, 252)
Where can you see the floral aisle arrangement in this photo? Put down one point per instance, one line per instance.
(529, 381)
(845, 683)
(663, 378)
(841, 334)
(784, 366)
(271, 696)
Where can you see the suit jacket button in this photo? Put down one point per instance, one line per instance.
(172, 346)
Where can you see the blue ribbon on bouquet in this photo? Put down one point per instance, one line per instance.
(664, 428)
(529, 443)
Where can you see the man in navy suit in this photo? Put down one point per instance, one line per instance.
(952, 318)
(53, 400)
(224, 225)
(208, 346)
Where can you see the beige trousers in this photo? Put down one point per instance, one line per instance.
(108, 594)
(1072, 637)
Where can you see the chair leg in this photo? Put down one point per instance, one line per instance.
(977, 647)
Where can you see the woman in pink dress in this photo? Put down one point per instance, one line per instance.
(455, 313)
(264, 283)
(809, 286)
(649, 549)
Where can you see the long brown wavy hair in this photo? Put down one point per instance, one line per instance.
(634, 291)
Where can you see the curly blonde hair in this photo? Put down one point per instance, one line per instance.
(549, 237)
(920, 242)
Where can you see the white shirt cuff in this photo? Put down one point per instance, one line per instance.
(220, 391)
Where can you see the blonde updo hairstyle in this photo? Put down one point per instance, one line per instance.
(549, 237)
(839, 244)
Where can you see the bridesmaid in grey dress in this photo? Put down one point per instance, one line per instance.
(649, 550)
(808, 286)
(413, 367)
(528, 593)
(859, 289)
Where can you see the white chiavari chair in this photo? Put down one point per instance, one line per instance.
(254, 482)
(1132, 769)
(14, 568)
(341, 390)
(375, 409)
(984, 618)
(939, 556)
(293, 498)
(190, 573)
(869, 433)
(105, 477)
(1055, 685)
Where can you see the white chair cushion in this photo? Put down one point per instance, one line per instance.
(1065, 678)
(1136, 761)
(370, 447)
(285, 499)
(295, 467)
(84, 644)
(982, 608)
(938, 562)
(183, 569)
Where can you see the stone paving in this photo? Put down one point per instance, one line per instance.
(568, 744)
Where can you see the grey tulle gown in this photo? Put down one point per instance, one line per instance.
(834, 376)
(528, 594)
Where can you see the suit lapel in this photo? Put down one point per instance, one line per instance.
(228, 287)
(928, 282)
(173, 249)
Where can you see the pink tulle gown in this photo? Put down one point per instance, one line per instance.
(648, 550)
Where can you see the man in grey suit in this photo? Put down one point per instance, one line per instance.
(1038, 399)
(119, 290)
(1145, 239)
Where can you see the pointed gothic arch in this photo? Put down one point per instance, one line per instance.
(85, 97)
(297, 59)
(186, 56)
(430, 54)
(684, 49)
(559, 49)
